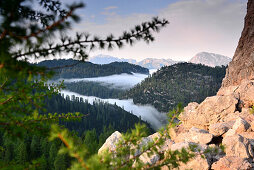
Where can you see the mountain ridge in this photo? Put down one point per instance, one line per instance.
(210, 59)
(88, 69)
(150, 63)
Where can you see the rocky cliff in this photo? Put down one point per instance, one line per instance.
(242, 65)
(226, 118)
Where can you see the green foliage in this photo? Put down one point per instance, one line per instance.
(97, 115)
(52, 154)
(97, 89)
(60, 162)
(22, 156)
(252, 110)
(174, 114)
(182, 82)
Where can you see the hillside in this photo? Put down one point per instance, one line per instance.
(87, 69)
(100, 114)
(183, 82)
(210, 59)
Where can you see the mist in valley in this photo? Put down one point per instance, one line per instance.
(147, 112)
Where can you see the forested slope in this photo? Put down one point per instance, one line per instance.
(183, 82)
(87, 69)
(101, 121)
(100, 114)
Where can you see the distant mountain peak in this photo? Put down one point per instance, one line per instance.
(210, 59)
(150, 63)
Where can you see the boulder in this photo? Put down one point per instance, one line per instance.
(232, 163)
(199, 136)
(212, 110)
(196, 163)
(241, 125)
(176, 131)
(111, 143)
(230, 132)
(219, 129)
(151, 159)
(236, 145)
(186, 145)
(195, 135)
(252, 126)
(245, 89)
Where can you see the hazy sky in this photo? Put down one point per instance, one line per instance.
(195, 25)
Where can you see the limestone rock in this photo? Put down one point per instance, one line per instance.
(236, 145)
(242, 66)
(111, 142)
(154, 157)
(231, 163)
(195, 135)
(196, 163)
(149, 159)
(212, 110)
(241, 125)
(176, 131)
(252, 125)
(219, 129)
(246, 91)
(185, 145)
(199, 136)
(230, 132)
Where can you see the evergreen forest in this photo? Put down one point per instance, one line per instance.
(179, 83)
(69, 68)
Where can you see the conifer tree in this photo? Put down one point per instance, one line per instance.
(28, 33)
(60, 162)
(22, 156)
(52, 155)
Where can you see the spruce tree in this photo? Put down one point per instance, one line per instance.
(60, 162)
(52, 155)
(22, 155)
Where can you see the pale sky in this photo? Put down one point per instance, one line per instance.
(195, 26)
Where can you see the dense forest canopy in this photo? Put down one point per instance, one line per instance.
(183, 82)
(87, 69)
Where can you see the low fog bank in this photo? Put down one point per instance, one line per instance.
(146, 112)
(119, 81)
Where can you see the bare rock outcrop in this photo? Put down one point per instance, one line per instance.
(195, 135)
(111, 142)
(219, 129)
(212, 110)
(232, 163)
(239, 146)
(242, 66)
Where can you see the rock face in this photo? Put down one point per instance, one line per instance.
(212, 110)
(111, 142)
(231, 163)
(236, 145)
(219, 129)
(242, 66)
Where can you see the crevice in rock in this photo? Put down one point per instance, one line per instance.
(239, 105)
(217, 140)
